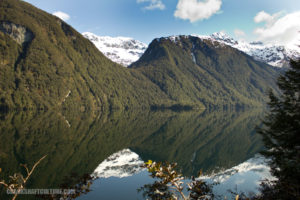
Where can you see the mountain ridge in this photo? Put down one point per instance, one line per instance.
(49, 65)
(188, 68)
(275, 55)
(122, 50)
(272, 54)
(58, 63)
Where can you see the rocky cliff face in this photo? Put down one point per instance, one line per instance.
(17, 32)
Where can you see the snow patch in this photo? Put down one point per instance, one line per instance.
(122, 50)
(272, 54)
(125, 50)
(67, 122)
(245, 177)
(68, 94)
(121, 164)
(174, 38)
(193, 58)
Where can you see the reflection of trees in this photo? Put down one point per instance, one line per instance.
(208, 139)
(25, 137)
(203, 140)
(72, 187)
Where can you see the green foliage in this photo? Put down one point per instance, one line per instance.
(58, 60)
(170, 183)
(40, 73)
(281, 136)
(221, 77)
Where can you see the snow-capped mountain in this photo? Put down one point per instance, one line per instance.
(245, 177)
(257, 164)
(125, 50)
(121, 164)
(275, 55)
(121, 50)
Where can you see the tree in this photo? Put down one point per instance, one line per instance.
(169, 184)
(281, 136)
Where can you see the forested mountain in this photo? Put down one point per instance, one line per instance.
(190, 69)
(46, 64)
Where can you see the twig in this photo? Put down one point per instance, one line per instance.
(33, 168)
(179, 190)
(24, 180)
(4, 184)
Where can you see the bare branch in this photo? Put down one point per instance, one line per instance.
(18, 187)
(3, 183)
(33, 168)
(179, 190)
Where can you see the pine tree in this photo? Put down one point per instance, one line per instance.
(281, 136)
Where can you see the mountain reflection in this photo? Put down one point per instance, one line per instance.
(78, 143)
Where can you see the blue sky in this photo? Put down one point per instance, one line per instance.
(147, 19)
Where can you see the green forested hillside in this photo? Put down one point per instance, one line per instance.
(189, 69)
(46, 64)
(56, 67)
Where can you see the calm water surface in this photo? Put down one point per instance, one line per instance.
(79, 144)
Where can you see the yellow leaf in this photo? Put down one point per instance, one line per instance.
(149, 162)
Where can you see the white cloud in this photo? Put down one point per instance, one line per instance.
(284, 30)
(262, 16)
(62, 15)
(239, 33)
(195, 10)
(153, 4)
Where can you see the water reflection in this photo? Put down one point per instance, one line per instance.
(206, 141)
(78, 143)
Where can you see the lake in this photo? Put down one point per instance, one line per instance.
(112, 146)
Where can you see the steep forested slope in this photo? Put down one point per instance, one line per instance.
(45, 63)
(189, 69)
